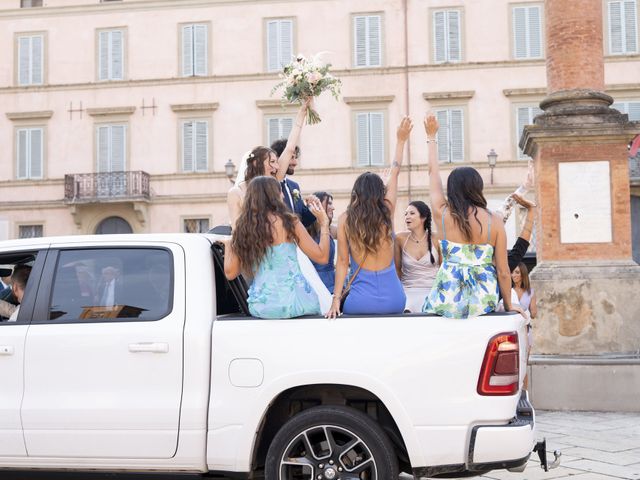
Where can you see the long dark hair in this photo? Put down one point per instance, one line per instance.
(425, 212)
(253, 233)
(314, 228)
(464, 193)
(255, 162)
(524, 277)
(368, 220)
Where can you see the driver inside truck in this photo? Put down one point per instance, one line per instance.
(19, 279)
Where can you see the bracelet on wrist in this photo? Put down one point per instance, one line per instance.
(432, 140)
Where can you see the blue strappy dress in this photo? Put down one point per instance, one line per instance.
(466, 284)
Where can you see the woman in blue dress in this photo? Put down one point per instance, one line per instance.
(264, 245)
(366, 243)
(473, 242)
(326, 271)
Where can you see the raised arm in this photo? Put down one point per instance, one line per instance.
(292, 141)
(317, 252)
(502, 266)
(402, 135)
(342, 267)
(436, 191)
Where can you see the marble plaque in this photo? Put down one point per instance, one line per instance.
(585, 202)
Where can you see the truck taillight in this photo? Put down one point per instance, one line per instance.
(500, 371)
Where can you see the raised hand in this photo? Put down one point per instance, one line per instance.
(523, 201)
(316, 208)
(404, 129)
(431, 126)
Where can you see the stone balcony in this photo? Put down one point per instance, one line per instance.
(131, 186)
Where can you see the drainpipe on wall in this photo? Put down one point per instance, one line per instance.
(406, 89)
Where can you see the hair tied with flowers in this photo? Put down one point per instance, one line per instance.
(306, 78)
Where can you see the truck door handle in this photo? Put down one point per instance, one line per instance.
(150, 347)
(6, 349)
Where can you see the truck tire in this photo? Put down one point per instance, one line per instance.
(331, 443)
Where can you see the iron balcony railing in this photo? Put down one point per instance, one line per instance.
(101, 187)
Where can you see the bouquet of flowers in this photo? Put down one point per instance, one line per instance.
(305, 78)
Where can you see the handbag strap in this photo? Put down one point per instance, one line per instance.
(353, 277)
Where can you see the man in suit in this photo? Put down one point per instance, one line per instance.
(291, 190)
(110, 288)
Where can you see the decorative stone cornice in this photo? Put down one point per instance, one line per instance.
(369, 99)
(195, 107)
(39, 115)
(273, 103)
(110, 111)
(459, 95)
(525, 92)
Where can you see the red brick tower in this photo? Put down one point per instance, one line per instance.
(588, 286)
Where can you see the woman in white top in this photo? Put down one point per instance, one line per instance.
(417, 258)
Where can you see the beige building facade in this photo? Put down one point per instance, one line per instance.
(123, 115)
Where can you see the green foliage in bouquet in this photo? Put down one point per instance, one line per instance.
(305, 78)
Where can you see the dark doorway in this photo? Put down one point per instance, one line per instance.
(113, 225)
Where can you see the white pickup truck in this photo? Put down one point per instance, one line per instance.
(133, 353)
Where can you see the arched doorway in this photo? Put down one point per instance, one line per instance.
(112, 225)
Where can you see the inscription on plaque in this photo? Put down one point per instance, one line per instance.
(585, 202)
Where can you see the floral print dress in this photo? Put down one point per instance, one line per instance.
(279, 290)
(466, 284)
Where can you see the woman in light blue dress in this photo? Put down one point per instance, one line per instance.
(473, 241)
(264, 245)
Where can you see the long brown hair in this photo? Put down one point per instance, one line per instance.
(524, 277)
(254, 233)
(368, 221)
(464, 194)
(314, 228)
(255, 162)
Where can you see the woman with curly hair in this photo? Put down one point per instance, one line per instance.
(264, 161)
(472, 240)
(416, 256)
(263, 245)
(365, 239)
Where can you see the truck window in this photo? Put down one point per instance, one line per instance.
(9, 302)
(231, 296)
(112, 284)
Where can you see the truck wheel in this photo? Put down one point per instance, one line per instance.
(331, 443)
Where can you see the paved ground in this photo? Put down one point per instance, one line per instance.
(594, 445)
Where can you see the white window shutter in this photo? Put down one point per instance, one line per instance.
(376, 138)
(360, 41)
(187, 50)
(273, 130)
(535, 32)
(118, 145)
(633, 110)
(520, 32)
(374, 40)
(456, 118)
(285, 43)
(631, 26)
(454, 53)
(24, 60)
(202, 145)
(522, 119)
(103, 55)
(615, 28)
(362, 140)
(200, 50)
(22, 152)
(35, 151)
(286, 124)
(187, 146)
(104, 151)
(443, 135)
(272, 46)
(439, 37)
(117, 55)
(37, 57)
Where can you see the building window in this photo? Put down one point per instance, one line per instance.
(30, 3)
(195, 50)
(630, 108)
(623, 27)
(367, 40)
(30, 231)
(277, 128)
(30, 59)
(279, 43)
(450, 135)
(447, 36)
(195, 145)
(30, 152)
(111, 153)
(370, 138)
(195, 225)
(524, 116)
(111, 55)
(527, 32)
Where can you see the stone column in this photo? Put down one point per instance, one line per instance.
(588, 286)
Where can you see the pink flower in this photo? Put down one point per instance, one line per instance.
(314, 78)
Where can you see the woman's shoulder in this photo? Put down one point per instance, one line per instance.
(403, 235)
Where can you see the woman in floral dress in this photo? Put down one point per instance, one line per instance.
(473, 243)
(264, 245)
